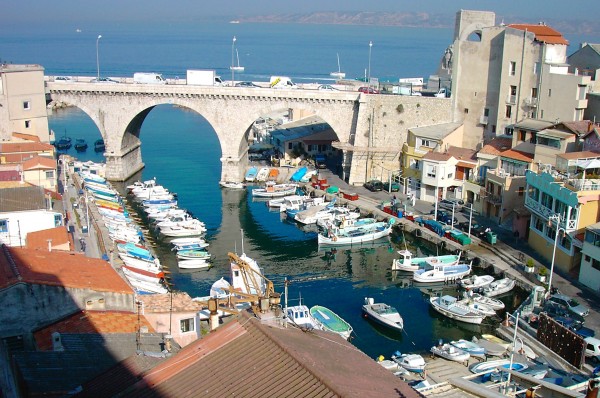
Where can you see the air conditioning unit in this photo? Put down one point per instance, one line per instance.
(483, 120)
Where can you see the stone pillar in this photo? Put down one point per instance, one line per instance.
(233, 168)
(121, 167)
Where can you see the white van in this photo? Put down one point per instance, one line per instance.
(148, 78)
(592, 346)
(281, 82)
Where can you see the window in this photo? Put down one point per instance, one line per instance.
(26, 105)
(431, 171)
(587, 258)
(578, 115)
(513, 90)
(493, 128)
(27, 124)
(509, 131)
(538, 224)
(522, 135)
(551, 142)
(542, 114)
(426, 143)
(508, 111)
(290, 145)
(58, 220)
(536, 68)
(534, 92)
(309, 147)
(512, 68)
(520, 191)
(466, 110)
(596, 264)
(187, 325)
(549, 92)
(50, 174)
(486, 112)
(3, 225)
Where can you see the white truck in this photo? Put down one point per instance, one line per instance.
(281, 82)
(148, 78)
(404, 90)
(440, 93)
(197, 77)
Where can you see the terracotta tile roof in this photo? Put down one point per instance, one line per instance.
(39, 163)
(578, 155)
(248, 359)
(542, 33)
(438, 156)
(495, 146)
(25, 146)
(99, 322)
(39, 239)
(57, 268)
(465, 154)
(28, 137)
(182, 302)
(517, 155)
(582, 127)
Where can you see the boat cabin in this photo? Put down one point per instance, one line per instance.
(300, 315)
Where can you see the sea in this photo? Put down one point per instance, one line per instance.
(180, 149)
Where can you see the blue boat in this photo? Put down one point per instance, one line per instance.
(297, 176)
(251, 174)
(80, 145)
(135, 251)
(159, 202)
(63, 143)
(99, 145)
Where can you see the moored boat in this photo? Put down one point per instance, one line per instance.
(297, 176)
(231, 184)
(476, 281)
(492, 349)
(193, 264)
(411, 362)
(450, 352)
(442, 273)
(382, 313)
(499, 287)
(477, 307)
(472, 348)
(263, 174)
(330, 321)
(193, 254)
(410, 264)
(488, 301)
(300, 316)
(448, 306)
(80, 145)
(251, 174)
(488, 366)
(357, 234)
(272, 190)
(99, 145)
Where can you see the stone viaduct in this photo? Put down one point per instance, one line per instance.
(370, 128)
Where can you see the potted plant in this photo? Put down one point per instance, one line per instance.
(542, 274)
(529, 266)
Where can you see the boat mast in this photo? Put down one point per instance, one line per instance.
(232, 64)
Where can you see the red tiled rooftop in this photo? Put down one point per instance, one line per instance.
(180, 302)
(579, 155)
(495, 146)
(39, 239)
(517, 155)
(28, 137)
(98, 322)
(25, 146)
(57, 268)
(437, 156)
(39, 163)
(581, 127)
(542, 33)
(459, 153)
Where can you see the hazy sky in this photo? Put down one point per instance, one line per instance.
(75, 11)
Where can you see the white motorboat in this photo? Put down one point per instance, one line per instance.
(330, 321)
(142, 275)
(488, 301)
(300, 316)
(193, 264)
(411, 362)
(145, 265)
(383, 314)
(183, 229)
(477, 307)
(148, 287)
(442, 273)
(476, 281)
(357, 234)
(499, 287)
(448, 306)
(179, 219)
(186, 241)
(272, 190)
(388, 364)
(450, 352)
(488, 366)
(410, 264)
(474, 349)
(231, 184)
(193, 254)
(263, 174)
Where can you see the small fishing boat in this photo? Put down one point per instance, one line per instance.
(330, 321)
(147, 287)
(251, 174)
(476, 281)
(297, 176)
(474, 349)
(273, 173)
(63, 143)
(308, 175)
(231, 184)
(193, 264)
(388, 364)
(477, 307)
(450, 352)
(488, 301)
(499, 287)
(333, 235)
(501, 374)
(411, 362)
(339, 74)
(99, 145)
(492, 349)
(193, 254)
(80, 145)
(488, 366)
(442, 273)
(263, 174)
(410, 264)
(383, 314)
(448, 306)
(272, 190)
(186, 241)
(300, 316)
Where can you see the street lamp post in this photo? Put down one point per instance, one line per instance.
(470, 219)
(369, 75)
(232, 62)
(98, 57)
(556, 218)
(513, 345)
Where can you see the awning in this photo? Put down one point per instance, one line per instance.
(554, 133)
(589, 164)
(465, 164)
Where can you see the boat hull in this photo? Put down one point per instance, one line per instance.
(330, 321)
(370, 312)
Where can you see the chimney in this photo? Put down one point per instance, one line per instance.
(49, 244)
(57, 342)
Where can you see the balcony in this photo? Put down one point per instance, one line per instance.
(511, 99)
(494, 199)
(531, 102)
(483, 120)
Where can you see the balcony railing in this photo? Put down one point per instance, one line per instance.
(531, 101)
(584, 185)
(494, 199)
(511, 99)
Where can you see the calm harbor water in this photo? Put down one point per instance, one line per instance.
(181, 150)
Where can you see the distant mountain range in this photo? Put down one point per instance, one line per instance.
(413, 20)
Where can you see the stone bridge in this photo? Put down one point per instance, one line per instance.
(363, 123)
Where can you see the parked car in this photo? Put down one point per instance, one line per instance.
(327, 87)
(104, 80)
(395, 187)
(574, 326)
(448, 203)
(592, 347)
(368, 90)
(320, 161)
(247, 85)
(476, 228)
(446, 218)
(570, 304)
(374, 185)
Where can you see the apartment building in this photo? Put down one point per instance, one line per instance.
(589, 273)
(521, 72)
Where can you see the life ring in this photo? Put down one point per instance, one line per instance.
(334, 238)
